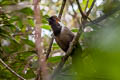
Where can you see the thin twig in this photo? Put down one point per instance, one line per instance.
(86, 5)
(99, 19)
(71, 3)
(85, 16)
(28, 64)
(90, 8)
(49, 49)
(62, 8)
(11, 70)
(75, 13)
(80, 9)
(52, 39)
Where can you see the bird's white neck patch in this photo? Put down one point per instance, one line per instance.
(61, 24)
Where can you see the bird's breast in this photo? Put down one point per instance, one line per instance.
(64, 38)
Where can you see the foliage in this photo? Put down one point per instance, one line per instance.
(101, 46)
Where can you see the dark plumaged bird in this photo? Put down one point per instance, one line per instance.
(63, 37)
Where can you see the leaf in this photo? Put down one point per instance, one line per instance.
(44, 20)
(20, 23)
(25, 54)
(30, 74)
(6, 49)
(31, 22)
(54, 59)
(9, 37)
(74, 30)
(7, 2)
(3, 32)
(29, 42)
(45, 16)
(55, 46)
(27, 11)
(13, 19)
(47, 27)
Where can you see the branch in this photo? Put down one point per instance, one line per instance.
(86, 5)
(71, 3)
(11, 70)
(62, 8)
(80, 9)
(85, 16)
(91, 8)
(42, 73)
(99, 19)
(75, 13)
(49, 49)
(27, 64)
(52, 39)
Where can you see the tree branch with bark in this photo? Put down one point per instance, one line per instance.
(11, 70)
(42, 73)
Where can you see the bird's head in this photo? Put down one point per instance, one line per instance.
(53, 19)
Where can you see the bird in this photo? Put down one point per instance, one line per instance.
(64, 36)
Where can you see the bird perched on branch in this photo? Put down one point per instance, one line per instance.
(63, 35)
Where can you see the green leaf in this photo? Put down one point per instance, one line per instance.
(54, 59)
(31, 22)
(9, 37)
(2, 31)
(74, 30)
(55, 46)
(44, 19)
(13, 19)
(25, 55)
(47, 27)
(27, 11)
(30, 74)
(7, 2)
(29, 42)
(45, 16)
(19, 23)
(6, 49)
